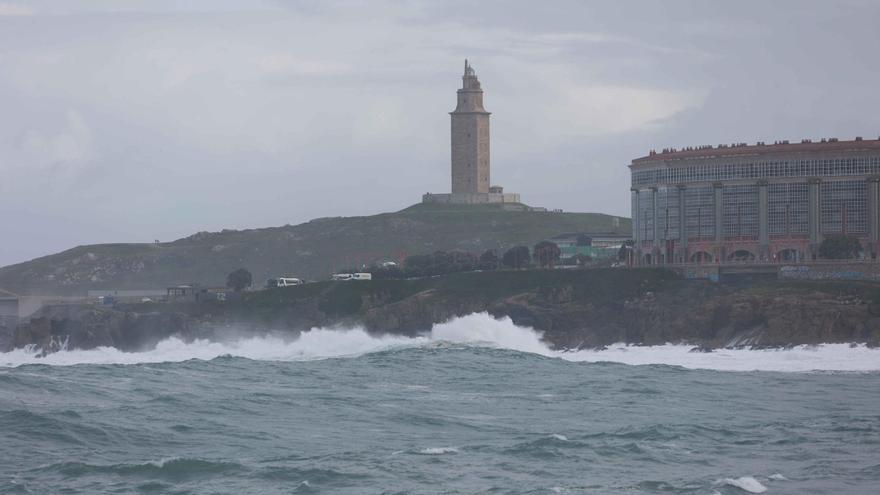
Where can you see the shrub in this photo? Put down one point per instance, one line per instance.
(547, 253)
(517, 257)
(489, 260)
(239, 279)
(840, 247)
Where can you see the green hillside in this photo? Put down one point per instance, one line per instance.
(310, 250)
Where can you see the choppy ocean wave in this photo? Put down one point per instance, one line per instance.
(478, 330)
(169, 469)
(476, 406)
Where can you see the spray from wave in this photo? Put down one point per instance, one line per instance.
(479, 330)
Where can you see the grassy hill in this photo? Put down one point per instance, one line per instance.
(310, 250)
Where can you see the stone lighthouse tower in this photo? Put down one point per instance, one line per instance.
(470, 150)
(470, 138)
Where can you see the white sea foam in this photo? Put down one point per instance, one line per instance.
(161, 462)
(438, 451)
(746, 483)
(315, 344)
(475, 330)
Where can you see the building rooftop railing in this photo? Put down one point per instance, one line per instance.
(782, 146)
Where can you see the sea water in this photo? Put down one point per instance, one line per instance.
(477, 406)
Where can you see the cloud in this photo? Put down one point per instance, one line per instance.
(289, 103)
(275, 83)
(71, 145)
(13, 9)
(593, 110)
(285, 63)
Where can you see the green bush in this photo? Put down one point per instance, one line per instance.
(840, 247)
(517, 257)
(239, 279)
(547, 253)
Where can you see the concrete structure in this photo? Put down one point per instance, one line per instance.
(471, 198)
(614, 241)
(596, 246)
(9, 311)
(471, 168)
(28, 305)
(127, 295)
(762, 202)
(197, 293)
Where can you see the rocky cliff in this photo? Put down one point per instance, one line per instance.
(572, 308)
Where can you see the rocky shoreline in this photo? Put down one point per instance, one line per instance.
(573, 309)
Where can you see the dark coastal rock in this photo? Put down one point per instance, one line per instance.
(572, 310)
(88, 327)
(701, 349)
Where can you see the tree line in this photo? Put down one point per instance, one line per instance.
(544, 254)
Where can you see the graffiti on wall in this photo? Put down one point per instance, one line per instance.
(830, 272)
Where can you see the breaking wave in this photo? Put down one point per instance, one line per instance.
(746, 483)
(479, 330)
(438, 451)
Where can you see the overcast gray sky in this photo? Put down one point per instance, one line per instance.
(133, 121)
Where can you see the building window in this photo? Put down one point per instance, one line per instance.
(844, 207)
(667, 204)
(699, 216)
(788, 210)
(646, 216)
(634, 212)
(740, 211)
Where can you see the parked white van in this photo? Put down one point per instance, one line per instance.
(352, 276)
(283, 282)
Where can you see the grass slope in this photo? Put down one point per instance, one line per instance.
(310, 250)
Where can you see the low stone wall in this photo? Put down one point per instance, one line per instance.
(701, 272)
(802, 271)
(831, 271)
(471, 198)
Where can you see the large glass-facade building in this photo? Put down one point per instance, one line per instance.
(762, 202)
